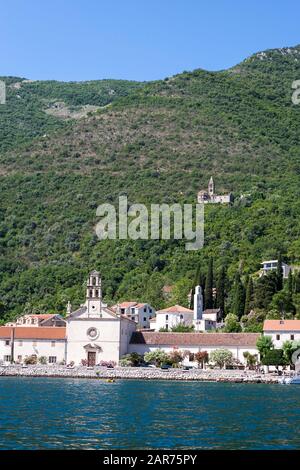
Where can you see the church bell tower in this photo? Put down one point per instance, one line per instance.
(211, 187)
(94, 294)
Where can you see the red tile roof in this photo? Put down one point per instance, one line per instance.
(39, 332)
(127, 304)
(195, 339)
(282, 325)
(175, 309)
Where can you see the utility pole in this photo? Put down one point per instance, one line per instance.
(12, 344)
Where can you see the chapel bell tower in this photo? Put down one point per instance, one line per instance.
(94, 294)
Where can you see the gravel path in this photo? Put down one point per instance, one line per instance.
(141, 373)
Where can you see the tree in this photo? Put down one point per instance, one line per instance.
(201, 358)
(208, 291)
(221, 283)
(251, 359)
(238, 305)
(232, 324)
(181, 328)
(221, 357)
(265, 289)
(264, 344)
(289, 347)
(180, 292)
(279, 273)
(156, 357)
(249, 296)
(175, 357)
(274, 357)
(283, 302)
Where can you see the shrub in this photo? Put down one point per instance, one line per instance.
(30, 360)
(42, 360)
(221, 357)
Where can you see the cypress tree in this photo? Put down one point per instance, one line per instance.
(290, 283)
(221, 283)
(208, 291)
(238, 306)
(279, 273)
(249, 296)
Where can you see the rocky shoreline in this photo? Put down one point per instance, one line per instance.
(138, 373)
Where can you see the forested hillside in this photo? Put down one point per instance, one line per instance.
(155, 142)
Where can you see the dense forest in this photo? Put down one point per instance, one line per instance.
(156, 142)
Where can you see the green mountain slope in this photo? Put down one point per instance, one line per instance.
(156, 142)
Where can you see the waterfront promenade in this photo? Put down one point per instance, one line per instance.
(211, 375)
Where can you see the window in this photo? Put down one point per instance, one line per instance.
(292, 337)
(91, 293)
(19, 358)
(150, 310)
(34, 344)
(277, 337)
(167, 327)
(6, 358)
(132, 318)
(167, 317)
(181, 317)
(52, 359)
(191, 357)
(52, 344)
(96, 293)
(145, 319)
(145, 309)
(7, 342)
(20, 343)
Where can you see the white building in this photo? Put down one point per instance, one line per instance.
(191, 343)
(17, 343)
(170, 317)
(209, 196)
(141, 313)
(271, 265)
(281, 331)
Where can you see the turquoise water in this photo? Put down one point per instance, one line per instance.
(91, 414)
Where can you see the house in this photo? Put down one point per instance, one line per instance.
(191, 343)
(170, 317)
(281, 331)
(141, 313)
(271, 265)
(209, 196)
(17, 343)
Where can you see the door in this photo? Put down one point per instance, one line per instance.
(91, 358)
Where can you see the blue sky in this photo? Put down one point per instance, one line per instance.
(138, 39)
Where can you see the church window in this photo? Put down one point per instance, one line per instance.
(93, 333)
(7, 342)
(96, 293)
(94, 281)
(278, 337)
(91, 293)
